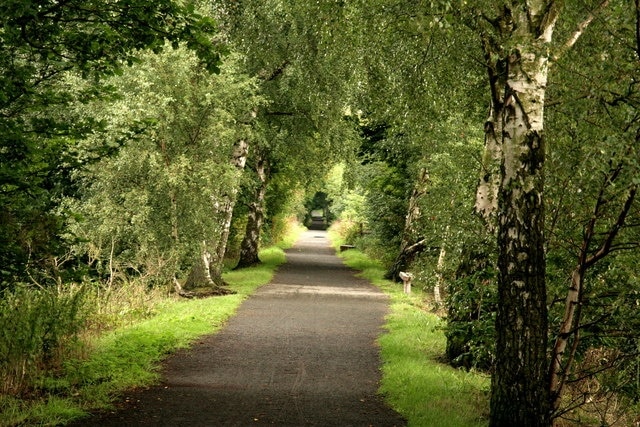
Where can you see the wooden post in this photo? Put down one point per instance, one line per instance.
(406, 280)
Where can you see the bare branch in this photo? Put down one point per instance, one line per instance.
(613, 232)
(582, 26)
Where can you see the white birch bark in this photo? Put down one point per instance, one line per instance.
(251, 242)
(239, 160)
(440, 268)
(520, 44)
(486, 204)
(208, 270)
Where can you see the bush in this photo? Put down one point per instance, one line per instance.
(471, 307)
(39, 328)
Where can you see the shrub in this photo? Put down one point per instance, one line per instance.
(471, 306)
(39, 328)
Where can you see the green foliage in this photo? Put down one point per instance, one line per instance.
(148, 209)
(39, 329)
(120, 172)
(384, 181)
(293, 51)
(40, 43)
(369, 193)
(284, 207)
(592, 167)
(280, 231)
(49, 33)
(385, 206)
(348, 204)
(471, 307)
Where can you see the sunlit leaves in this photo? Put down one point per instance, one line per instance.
(40, 43)
(150, 208)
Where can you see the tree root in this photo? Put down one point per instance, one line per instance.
(212, 290)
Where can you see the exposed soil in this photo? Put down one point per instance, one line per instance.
(300, 352)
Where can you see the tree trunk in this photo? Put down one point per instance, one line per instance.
(486, 205)
(519, 387)
(200, 283)
(251, 242)
(199, 276)
(239, 160)
(404, 258)
(409, 247)
(440, 268)
(516, 45)
(568, 330)
(207, 271)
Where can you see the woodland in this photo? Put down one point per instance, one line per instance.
(489, 147)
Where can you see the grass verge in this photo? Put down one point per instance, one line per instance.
(129, 356)
(415, 382)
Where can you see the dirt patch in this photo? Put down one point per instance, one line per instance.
(300, 352)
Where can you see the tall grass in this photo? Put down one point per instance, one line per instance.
(118, 305)
(415, 382)
(126, 332)
(39, 328)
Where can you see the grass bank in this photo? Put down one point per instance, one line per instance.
(415, 382)
(129, 356)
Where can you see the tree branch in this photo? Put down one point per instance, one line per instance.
(279, 113)
(275, 73)
(570, 325)
(605, 248)
(638, 29)
(582, 26)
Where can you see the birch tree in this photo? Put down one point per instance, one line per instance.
(40, 42)
(517, 52)
(161, 206)
(517, 41)
(250, 243)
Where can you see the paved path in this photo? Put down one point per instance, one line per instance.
(300, 352)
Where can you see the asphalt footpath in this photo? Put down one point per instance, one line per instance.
(300, 352)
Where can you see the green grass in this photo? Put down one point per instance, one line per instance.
(52, 411)
(424, 390)
(130, 356)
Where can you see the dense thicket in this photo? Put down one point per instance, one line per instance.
(149, 208)
(41, 42)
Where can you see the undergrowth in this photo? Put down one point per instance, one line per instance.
(111, 341)
(39, 328)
